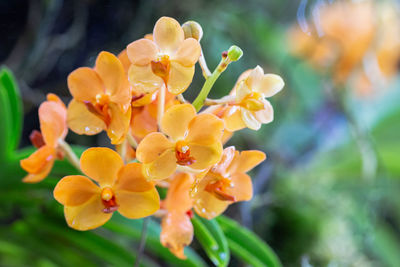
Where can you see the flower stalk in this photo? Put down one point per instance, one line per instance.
(69, 154)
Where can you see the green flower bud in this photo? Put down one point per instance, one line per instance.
(234, 53)
(192, 29)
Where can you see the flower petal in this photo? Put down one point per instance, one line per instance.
(75, 190)
(143, 123)
(178, 198)
(131, 179)
(250, 120)
(176, 233)
(81, 121)
(161, 168)
(142, 52)
(123, 57)
(36, 162)
(119, 124)
(188, 52)
(87, 216)
(233, 119)
(101, 164)
(39, 176)
(265, 115)
(205, 129)
(242, 188)
(180, 77)
(270, 85)
(205, 156)
(245, 161)
(84, 84)
(176, 120)
(152, 146)
(168, 35)
(254, 79)
(242, 90)
(53, 122)
(143, 79)
(111, 71)
(135, 205)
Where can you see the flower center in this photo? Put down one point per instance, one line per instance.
(161, 67)
(182, 154)
(219, 188)
(36, 138)
(108, 199)
(253, 102)
(100, 107)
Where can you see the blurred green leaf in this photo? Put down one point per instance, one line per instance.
(245, 245)
(212, 239)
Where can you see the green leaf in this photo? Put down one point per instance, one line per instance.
(10, 112)
(245, 245)
(212, 239)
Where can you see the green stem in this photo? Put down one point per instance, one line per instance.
(142, 241)
(69, 154)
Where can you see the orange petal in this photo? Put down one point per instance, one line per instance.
(233, 119)
(265, 115)
(176, 119)
(119, 125)
(168, 34)
(54, 98)
(84, 84)
(176, 233)
(131, 179)
(250, 120)
(188, 52)
(242, 188)
(81, 121)
(205, 156)
(178, 198)
(75, 190)
(205, 129)
(87, 216)
(143, 79)
(162, 167)
(101, 164)
(39, 176)
(143, 124)
(245, 161)
(123, 57)
(270, 84)
(180, 77)
(227, 156)
(152, 146)
(53, 122)
(38, 160)
(135, 205)
(142, 52)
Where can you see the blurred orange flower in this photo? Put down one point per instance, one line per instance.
(188, 146)
(102, 99)
(168, 60)
(120, 187)
(226, 182)
(53, 126)
(176, 227)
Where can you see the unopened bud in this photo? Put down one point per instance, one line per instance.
(192, 29)
(234, 53)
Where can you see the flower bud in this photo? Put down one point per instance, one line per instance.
(192, 29)
(234, 53)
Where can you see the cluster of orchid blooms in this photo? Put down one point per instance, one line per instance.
(161, 140)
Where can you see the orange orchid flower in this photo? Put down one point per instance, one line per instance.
(119, 187)
(226, 182)
(167, 61)
(251, 109)
(189, 145)
(53, 126)
(176, 227)
(102, 99)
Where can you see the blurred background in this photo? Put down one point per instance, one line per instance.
(328, 193)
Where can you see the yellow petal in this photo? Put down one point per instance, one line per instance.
(270, 84)
(101, 164)
(152, 146)
(205, 156)
(255, 77)
(168, 35)
(178, 198)
(162, 167)
(119, 124)
(135, 205)
(265, 115)
(245, 161)
(176, 120)
(131, 179)
(250, 120)
(39, 176)
(87, 216)
(36, 162)
(233, 119)
(176, 233)
(242, 188)
(53, 122)
(143, 79)
(142, 52)
(205, 129)
(188, 52)
(81, 121)
(180, 77)
(84, 84)
(242, 90)
(75, 190)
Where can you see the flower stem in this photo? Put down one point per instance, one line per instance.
(161, 105)
(131, 140)
(203, 65)
(69, 154)
(142, 241)
(225, 100)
